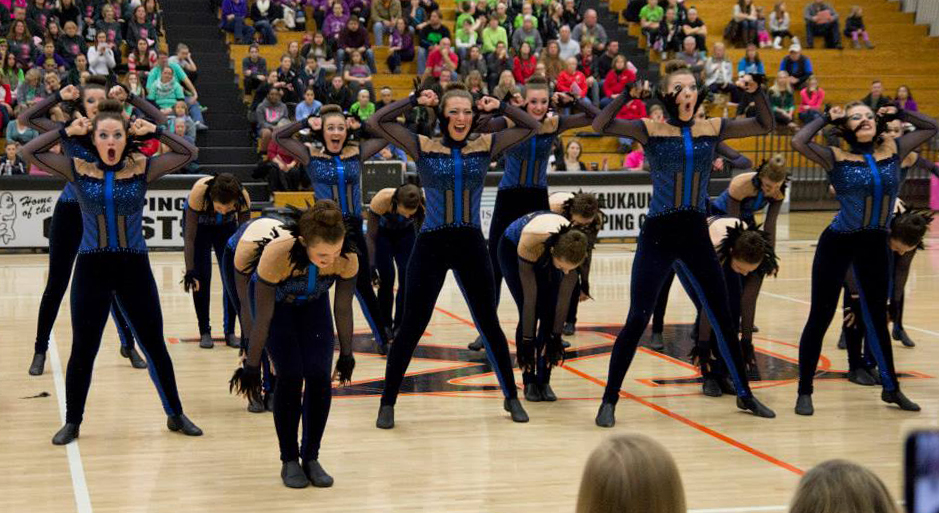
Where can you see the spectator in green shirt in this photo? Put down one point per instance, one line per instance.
(494, 34)
(650, 17)
(527, 10)
(363, 108)
(782, 102)
(166, 91)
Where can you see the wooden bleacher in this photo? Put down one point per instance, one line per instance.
(904, 55)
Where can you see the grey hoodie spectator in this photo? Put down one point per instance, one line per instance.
(527, 32)
(268, 114)
(590, 29)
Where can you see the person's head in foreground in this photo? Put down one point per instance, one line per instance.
(839, 486)
(631, 474)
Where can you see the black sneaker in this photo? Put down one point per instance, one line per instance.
(317, 475)
(476, 345)
(804, 405)
(547, 394)
(606, 416)
(136, 361)
(293, 476)
(205, 341)
(657, 343)
(533, 393)
(66, 435)
(232, 341)
(514, 407)
(38, 365)
(568, 329)
(182, 424)
(386, 417)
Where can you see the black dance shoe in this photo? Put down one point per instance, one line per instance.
(753, 405)
(232, 341)
(66, 435)
(136, 361)
(842, 342)
(315, 473)
(861, 377)
(568, 329)
(900, 334)
(533, 393)
(293, 476)
(896, 397)
(39, 364)
(712, 388)
(727, 386)
(386, 417)
(514, 407)
(547, 394)
(804, 405)
(182, 424)
(256, 406)
(205, 341)
(657, 343)
(269, 400)
(606, 417)
(476, 345)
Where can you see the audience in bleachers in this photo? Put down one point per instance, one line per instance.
(496, 46)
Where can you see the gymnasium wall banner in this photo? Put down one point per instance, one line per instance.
(624, 206)
(25, 217)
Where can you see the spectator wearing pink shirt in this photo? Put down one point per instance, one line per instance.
(813, 101)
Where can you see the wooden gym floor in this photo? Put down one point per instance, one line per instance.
(453, 449)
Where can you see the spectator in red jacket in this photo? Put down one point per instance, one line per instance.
(616, 81)
(523, 66)
(441, 59)
(634, 109)
(572, 80)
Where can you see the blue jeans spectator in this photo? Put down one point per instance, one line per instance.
(268, 37)
(195, 111)
(395, 58)
(369, 58)
(379, 30)
(244, 34)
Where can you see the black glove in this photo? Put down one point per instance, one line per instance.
(525, 354)
(246, 381)
(189, 281)
(554, 350)
(344, 368)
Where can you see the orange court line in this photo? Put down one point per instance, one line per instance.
(700, 427)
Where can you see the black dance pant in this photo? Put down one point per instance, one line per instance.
(98, 278)
(704, 345)
(227, 270)
(901, 272)
(859, 351)
(462, 250)
(65, 236)
(865, 252)
(393, 248)
(661, 304)
(301, 346)
(510, 205)
(209, 238)
(680, 239)
(363, 287)
(575, 304)
(548, 280)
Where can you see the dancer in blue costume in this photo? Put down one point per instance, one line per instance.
(113, 258)
(681, 152)
(866, 180)
(65, 230)
(452, 169)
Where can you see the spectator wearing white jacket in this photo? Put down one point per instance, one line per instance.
(101, 56)
(719, 71)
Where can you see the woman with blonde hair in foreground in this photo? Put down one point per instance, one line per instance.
(839, 486)
(631, 473)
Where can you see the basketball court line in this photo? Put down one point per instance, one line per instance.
(803, 302)
(668, 413)
(79, 486)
